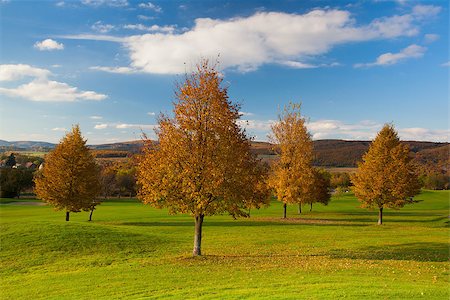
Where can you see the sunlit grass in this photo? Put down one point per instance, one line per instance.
(134, 251)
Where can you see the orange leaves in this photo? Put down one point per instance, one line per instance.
(70, 177)
(292, 176)
(203, 163)
(386, 178)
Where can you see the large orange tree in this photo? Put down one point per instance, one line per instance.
(201, 163)
(386, 177)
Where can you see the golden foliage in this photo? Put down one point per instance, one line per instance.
(292, 176)
(70, 177)
(202, 162)
(386, 177)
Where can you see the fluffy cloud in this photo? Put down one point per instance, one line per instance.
(246, 43)
(367, 130)
(96, 117)
(48, 45)
(336, 129)
(412, 51)
(41, 88)
(137, 126)
(424, 134)
(431, 37)
(266, 37)
(153, 28)
(117, 70)
(151, 113)
(112, 3)
(151, 6)
(425, 11)
(446, 64)
(328, 129)
(59, 129)
(16, 72)
(101, 126)
(102, 28)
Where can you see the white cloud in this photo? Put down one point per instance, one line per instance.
(328, 129)
(48, 45)
(138, 126)
(150, 113)
(412, 51)
(151, 6)
(262, 38)
(431, 37)
(256, 125)
(41, 88)
(59, 129)
(117, 70)
(96, 117)
(246, 43)
(153, 28)
(102, 28)
(297, 64)
(16, 72)
(446, 64)
(367, 130)
(101, 126)
(60, 3)
(246, 114)
(112, 3)
(424, 134)
(426, 11)
(94, 37)
(145, 18)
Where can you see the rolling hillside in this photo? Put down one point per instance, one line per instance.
(329, 153)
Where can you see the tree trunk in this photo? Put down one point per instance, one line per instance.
(67, 215)
(380, 216)
(198, 235)
(299, 208)
(284, 210)
(90, 215)
(310, 209)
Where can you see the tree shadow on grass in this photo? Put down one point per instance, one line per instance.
(387, 219)
(257, 222)
(424, 251)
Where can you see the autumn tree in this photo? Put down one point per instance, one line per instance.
(320, 189)
(107, 179)
(386, 177)
(292, 175)
(201, 164)
(70, 178)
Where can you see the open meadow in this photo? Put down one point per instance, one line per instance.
(134, 251)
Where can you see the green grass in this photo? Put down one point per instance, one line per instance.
(133, 251)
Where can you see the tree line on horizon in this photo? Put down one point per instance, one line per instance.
(202, 164)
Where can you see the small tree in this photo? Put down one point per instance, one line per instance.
(292, 176)
(10, 161)
(320, 189)
(386, 177)
(70, 177)
(202, 164)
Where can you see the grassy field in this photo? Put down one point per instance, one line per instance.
(133, 251)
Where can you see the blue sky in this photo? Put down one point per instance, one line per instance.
(111, 66)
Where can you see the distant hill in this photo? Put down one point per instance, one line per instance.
(25, 145)
(340, 153)
(328, 153)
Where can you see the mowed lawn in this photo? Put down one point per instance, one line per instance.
(133, 251)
